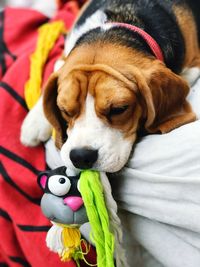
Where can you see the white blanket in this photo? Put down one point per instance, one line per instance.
(159, 197)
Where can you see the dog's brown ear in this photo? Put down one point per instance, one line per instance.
(52, 111)
(164, 95)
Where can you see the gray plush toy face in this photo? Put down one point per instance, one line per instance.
(62, 201)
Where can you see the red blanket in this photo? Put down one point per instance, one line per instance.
(22, 226)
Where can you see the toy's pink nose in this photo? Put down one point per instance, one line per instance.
(74, 203)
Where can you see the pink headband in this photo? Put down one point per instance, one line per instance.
(154, 46)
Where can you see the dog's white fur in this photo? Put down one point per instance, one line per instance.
(35, 128)
(89, 130)
(98, 19)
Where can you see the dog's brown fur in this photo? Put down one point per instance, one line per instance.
(189, 31)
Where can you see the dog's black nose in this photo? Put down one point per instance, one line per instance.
(83, 158)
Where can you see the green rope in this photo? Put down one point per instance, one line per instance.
(93, 198)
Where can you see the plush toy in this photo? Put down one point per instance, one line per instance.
(70, 202)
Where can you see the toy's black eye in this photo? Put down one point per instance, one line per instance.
(62, 180)
(59, 185)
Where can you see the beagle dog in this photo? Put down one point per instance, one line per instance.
(125, 70)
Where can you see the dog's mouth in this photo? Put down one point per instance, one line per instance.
(73, 171)
(111, 157)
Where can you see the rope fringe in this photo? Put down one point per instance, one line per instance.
(66, 241)
(121, 260)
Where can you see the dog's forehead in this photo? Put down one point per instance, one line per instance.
(95, 82)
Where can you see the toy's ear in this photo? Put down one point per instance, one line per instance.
(42, 180)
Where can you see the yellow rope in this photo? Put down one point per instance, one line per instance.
(71, 241)
(47, 36)
(72, 249)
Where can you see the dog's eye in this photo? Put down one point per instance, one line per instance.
(117, 110)
(59, 185)
(66, 113)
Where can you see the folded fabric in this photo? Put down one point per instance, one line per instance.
(158, 193)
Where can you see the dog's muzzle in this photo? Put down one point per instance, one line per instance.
(83, 158)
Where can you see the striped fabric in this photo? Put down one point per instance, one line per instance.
(23, 228)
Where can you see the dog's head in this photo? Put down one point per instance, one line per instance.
(103, 95)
